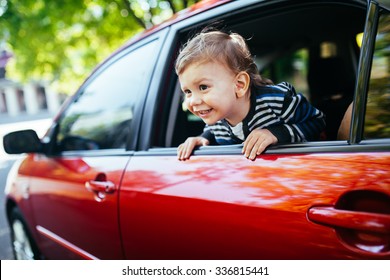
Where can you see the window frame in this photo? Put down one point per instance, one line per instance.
(363, 78)
(146, 148)
(362, 88)
(386, 13)
(136, 121)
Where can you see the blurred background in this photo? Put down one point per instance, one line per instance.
(47, 48)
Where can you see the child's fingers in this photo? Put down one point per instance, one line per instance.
(180, 152)
(252, 143)
(258, 147)
(257, 142)
(188, 151)
(184, 150)
(248, 146)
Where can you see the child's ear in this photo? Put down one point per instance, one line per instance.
(242, 83)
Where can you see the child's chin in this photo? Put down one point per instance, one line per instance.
(209, 122)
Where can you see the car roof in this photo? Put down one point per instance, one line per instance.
(205, 5)
(179, 16)
(193, 10)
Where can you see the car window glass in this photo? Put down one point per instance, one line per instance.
(377, 120)
(101, 116)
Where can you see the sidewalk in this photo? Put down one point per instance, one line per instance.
(24, 117)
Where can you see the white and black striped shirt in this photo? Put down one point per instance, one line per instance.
(288, 115)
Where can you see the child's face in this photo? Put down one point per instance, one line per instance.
(210, 92)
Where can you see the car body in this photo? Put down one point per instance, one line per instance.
(105, 182)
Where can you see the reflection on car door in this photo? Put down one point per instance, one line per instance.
(227, 207)
(75, 202)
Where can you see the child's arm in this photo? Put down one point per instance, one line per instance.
(301, 120)
(184, 150)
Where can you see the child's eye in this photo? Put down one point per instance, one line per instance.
(187, 92)
(203, 87)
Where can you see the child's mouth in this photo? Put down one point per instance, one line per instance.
(204, 112)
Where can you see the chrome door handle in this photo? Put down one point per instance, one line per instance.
(355, 220)
(100, 186)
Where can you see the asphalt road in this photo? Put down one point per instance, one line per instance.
(6, 161)
(5, 240)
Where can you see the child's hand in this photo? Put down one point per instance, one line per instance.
(184, 150)
(257, 141)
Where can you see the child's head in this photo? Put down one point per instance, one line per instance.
(229, 49)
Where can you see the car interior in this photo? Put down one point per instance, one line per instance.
(315, 47)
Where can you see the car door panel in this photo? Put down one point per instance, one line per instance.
(227, 207)
(75, 192)
(72, 219)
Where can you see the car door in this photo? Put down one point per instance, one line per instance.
(315, 200)
(74, 189)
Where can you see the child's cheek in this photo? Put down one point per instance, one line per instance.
(187, 106)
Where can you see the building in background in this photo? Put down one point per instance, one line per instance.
(24, 101)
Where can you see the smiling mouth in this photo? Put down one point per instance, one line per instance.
(204, 112)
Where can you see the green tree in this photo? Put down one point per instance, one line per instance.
(61, 41)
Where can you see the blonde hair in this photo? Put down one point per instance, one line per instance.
(229, 49)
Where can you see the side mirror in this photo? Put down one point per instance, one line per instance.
(23, 141)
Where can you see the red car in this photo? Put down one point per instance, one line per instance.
(105, 181)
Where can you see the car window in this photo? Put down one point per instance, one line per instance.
(377, 119)
(100, 117)
(317, 54)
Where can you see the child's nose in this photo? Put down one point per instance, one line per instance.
(195, 100)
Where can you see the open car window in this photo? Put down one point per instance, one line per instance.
(313, 46)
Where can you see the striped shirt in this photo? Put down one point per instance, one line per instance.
(286, 114)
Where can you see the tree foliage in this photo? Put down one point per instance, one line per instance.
(61, 41)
